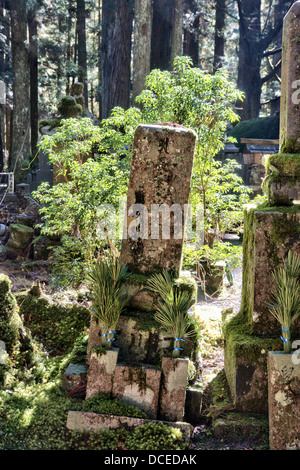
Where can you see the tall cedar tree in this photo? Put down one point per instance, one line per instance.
(20, 145)
(253, 44)
(117, 23)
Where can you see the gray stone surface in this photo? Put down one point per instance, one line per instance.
(89, 422)
(101, 372)
(138, 386)
(161, 170)
(284, 401)
(173, 389)
(73, 376)
(290, 76)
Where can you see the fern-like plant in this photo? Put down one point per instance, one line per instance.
(285, 306)
(108, 296)
(172, 309)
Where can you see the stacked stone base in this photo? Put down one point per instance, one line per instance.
(245, 363)
(269, 233)
(284, 400)
(138, 371)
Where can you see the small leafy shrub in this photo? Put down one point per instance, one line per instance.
(109, 296)
(285, 305)
(171, 309)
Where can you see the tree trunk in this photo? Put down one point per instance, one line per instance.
(219, 35)
(249, 79)
(117, 19)
(161, 34)
(20, 147)
(34, 100)
(141, 45)
(81, 41)
(252, 44)
(177, 30)
(191, 32)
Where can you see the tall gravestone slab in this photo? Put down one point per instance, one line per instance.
(270, 232)
(290, 77)
(161, 172)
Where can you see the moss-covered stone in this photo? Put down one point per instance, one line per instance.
(285, 164)
(269, 233)
(69, 108)
(51, 123)
(245, 359)
(23, 354)
(20, 237)
(235, 427)
(56, 326)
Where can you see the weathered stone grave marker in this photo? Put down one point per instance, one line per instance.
(160, 178)
(269, 233)
(162, 163)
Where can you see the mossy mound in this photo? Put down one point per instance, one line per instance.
(50, 123)
(23, 355)
(56, 326)
(282, 181)
(284, 164)
(69, 108)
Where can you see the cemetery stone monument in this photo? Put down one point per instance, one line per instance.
(134, 369)
(270, 231)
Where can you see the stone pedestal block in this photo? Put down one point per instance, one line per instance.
(101, 372)
(73, 376)
(173, 389)
(245, 363)
(138, 339)
(139, 387)
(290, 103)
(284, 400)
(161, 170)
(269, 235)
(90, 422)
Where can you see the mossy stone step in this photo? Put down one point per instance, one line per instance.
(235, 426)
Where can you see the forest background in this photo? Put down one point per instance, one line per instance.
(112, 45)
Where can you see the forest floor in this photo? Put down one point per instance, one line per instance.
(208, 310)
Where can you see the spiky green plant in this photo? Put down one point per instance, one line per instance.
(286, 297)
(172, 309)
(108, 296)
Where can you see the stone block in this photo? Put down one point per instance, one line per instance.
(90, 422)
(101, 372)
(73, 376)
(289, 103)
(245, 364)
(161, 170)
(138, 339)
(138, 386)
(173, 388)
(268, 237)
(284, 401)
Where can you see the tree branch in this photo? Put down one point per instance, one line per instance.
(273, 52)
(272, 73)
(267, 40)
